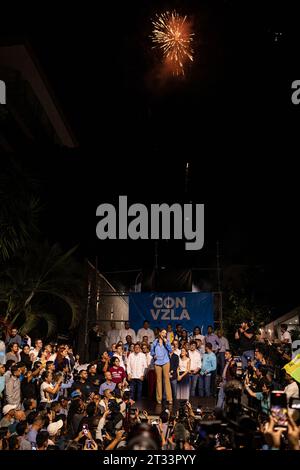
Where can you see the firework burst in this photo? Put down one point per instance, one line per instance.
(172, 35)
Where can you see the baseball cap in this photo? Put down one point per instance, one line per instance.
(7, 408)
(75, 394)
(54, 427)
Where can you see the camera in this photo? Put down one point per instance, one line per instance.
(239, 366)
(113, 406)
(182, 413)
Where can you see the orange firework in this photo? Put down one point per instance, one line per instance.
(172, 34)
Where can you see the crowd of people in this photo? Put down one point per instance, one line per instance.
(50, 400)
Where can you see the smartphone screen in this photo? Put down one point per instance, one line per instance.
(89, 444)
(280, 417)
(279, 409)
(85, 429)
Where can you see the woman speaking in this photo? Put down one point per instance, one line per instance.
(160, 350)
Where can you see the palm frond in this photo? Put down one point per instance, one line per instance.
(73, 305)
(19, 208)
(30, 323)
(35, 318)
(38, 274)
(50, 321)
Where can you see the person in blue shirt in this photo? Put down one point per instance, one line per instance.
(209, 365)
(108, 384)
(264, 397)
(160, 351)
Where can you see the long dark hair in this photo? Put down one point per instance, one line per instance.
(187, 353)
(60, 360)
(46, 374)
(186, 335)
(113, 361)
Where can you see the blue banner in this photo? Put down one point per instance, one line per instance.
(190, 309)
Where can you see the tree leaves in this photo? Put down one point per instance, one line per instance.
(34, 278)
(19, 208)
(33, 274)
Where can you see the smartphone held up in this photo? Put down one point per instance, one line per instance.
(279, 409)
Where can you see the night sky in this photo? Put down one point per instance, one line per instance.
(231, 118)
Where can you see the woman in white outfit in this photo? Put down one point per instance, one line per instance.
(183, 376)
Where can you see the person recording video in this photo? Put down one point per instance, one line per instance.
(246, 337)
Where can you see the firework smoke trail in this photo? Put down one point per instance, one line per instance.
(172, 35)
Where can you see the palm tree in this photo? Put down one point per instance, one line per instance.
(19, 208)
(34, 278)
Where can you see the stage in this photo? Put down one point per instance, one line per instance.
(207, 405)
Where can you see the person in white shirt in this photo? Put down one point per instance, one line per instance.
(136, 366)
(197, 334)
(285, 335)
(48, 391)
(291, 390)
(35, 352)
(195, 366)
(112, 336)
(145, 331)
(107, 395)
(146, 351)
(200, 347)
(125, 332)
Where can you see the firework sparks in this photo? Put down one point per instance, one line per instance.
(172, 35)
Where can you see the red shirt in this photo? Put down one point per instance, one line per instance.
(117, 374)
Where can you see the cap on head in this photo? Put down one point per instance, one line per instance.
(53, 428)
(7, 408)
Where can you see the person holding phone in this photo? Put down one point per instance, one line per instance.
(90, 445)
(263, 396)
(273, 435)
(245, 335)
(279, 409)
(48, 391)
